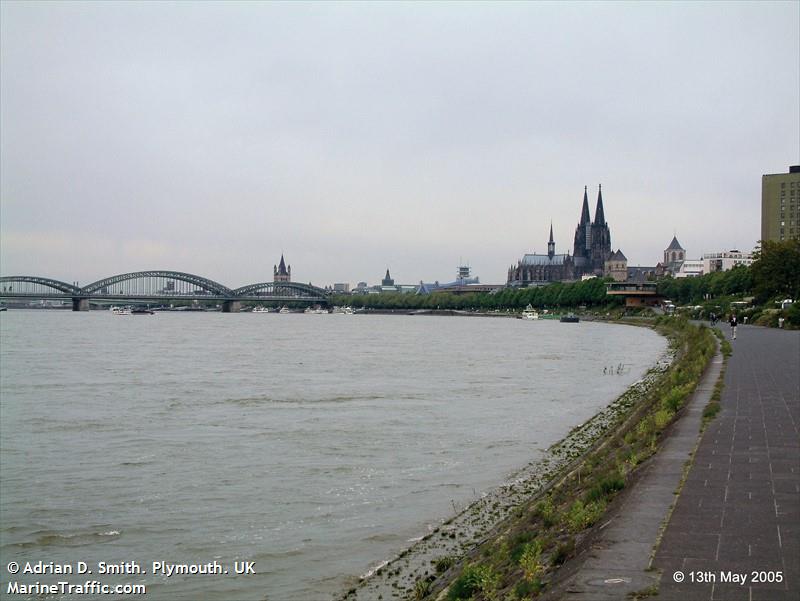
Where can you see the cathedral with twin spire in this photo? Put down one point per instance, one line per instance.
(590, 250)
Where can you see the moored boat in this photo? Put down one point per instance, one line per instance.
(260, 309)
(530, 313)
(142, 311)
(120, 310)
(569, 318)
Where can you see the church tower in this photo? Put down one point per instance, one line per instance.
(551, 246)
(600, 237)
(674, 255)
(592, 244)
(281, 273)
(583, 234)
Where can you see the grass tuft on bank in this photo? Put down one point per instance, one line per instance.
(714, 403)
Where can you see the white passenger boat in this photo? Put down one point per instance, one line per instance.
(530, 313)
(120, 310)
(284, 310)
(261, 309)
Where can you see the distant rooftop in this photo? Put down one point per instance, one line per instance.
(544, 259)
(675, 245)
(792, 169)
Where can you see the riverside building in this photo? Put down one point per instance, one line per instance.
(723, 261)
(780, 205)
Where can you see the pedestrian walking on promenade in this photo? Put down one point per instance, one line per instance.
(733, 325)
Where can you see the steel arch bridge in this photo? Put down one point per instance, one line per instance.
(158, 286)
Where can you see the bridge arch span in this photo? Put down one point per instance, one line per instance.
(7, 284)
(281, 290)
(209, 286)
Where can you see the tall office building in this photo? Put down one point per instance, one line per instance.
(780, 205)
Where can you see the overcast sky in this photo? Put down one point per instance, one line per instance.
(353, 137)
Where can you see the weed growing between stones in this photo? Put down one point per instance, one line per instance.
(714, 404)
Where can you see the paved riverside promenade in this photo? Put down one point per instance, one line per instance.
(617, 562)
(739, 510)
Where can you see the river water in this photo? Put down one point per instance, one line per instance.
(315, 446)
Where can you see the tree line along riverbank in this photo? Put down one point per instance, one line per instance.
(752, 291)
(521, 556)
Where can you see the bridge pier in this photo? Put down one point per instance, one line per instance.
(80, 304)
(231, 306)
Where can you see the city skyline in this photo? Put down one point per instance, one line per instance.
(211, 138)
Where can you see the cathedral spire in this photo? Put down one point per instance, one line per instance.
(585, 210)
(551, 246)
(599, 215)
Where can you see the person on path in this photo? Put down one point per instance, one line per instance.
(733, 325)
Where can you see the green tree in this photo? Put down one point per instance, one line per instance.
(776, 270)
(739, 280)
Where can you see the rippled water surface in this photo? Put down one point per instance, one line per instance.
(314, 445)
